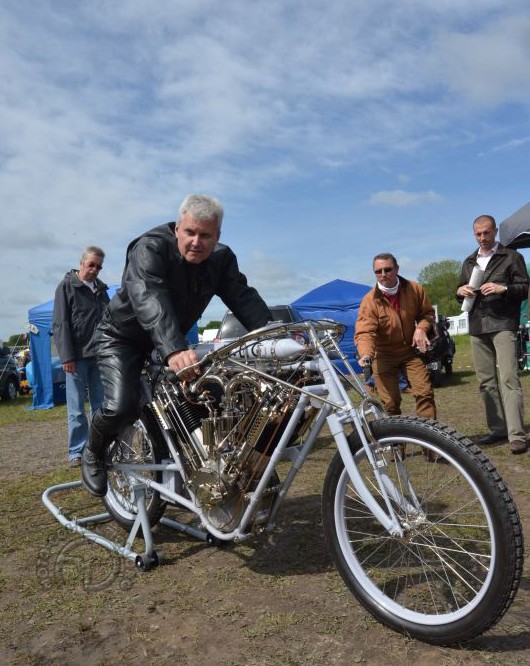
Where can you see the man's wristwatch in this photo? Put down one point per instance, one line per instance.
(505, 289)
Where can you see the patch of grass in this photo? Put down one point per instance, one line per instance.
(269, 623)
(18, 411)
(274, 599)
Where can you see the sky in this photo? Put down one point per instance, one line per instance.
(329, 131)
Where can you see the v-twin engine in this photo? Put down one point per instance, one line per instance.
(225, 427)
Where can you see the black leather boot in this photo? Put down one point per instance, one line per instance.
(94, 471)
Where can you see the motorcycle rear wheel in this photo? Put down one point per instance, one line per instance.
(135, 445)
(455, 571)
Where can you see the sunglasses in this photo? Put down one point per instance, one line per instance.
(96, 266)
(386, 269)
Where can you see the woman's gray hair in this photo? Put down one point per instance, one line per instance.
(202, 208)
(92, 249)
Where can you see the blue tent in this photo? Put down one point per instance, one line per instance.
(39, 369)
(45, 373)
(338, 300)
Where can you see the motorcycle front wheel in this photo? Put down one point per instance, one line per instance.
(455, 570)
(134, 445)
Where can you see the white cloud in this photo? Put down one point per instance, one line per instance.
(278, 281)
(111, 112)
(403, 198)
(513, 144)
(487, 67)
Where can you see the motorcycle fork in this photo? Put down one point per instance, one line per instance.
(349, 414)
(388, 520)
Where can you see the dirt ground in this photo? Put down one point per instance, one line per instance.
(274, 599)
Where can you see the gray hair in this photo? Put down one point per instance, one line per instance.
(202, 208)
(385, 256)
(92, 249)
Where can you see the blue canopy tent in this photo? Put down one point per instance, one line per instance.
(338, 300)
(45, 372)
(39, 369)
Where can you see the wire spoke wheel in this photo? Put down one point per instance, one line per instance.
(454, 571)
(135, 445)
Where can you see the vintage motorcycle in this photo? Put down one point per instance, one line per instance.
(431, 549)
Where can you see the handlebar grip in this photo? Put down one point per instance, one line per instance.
(176, 376)
(172, 376)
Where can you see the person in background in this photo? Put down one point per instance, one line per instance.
(493, 323)
(393, 321)
(80, 299)
(171, 274)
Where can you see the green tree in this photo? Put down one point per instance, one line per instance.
(440, 281)
(211, 324)
(19, 339)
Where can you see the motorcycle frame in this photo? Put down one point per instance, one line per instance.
(335, 407)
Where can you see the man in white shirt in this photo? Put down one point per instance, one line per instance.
(493, 323)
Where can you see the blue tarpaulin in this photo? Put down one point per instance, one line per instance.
(338, 300)
(46, 372)
(40, 319)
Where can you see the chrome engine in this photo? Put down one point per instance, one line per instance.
(225, 426)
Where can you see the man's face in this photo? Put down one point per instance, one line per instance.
(386, 272)
(90, 267)
(485, 234)
(196, 240)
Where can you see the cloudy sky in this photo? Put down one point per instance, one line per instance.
(329, 130)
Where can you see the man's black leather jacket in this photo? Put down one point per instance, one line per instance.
(162, 295)
(498, 312)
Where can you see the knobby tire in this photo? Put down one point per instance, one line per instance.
(457, 568)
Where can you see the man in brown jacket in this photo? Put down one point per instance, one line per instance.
(392, 325)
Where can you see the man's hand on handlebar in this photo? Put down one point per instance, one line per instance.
(365, 361)
(180, 362)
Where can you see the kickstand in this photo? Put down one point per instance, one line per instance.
(149, 558)
(145, 561)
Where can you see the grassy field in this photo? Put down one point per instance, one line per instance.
(18, 411)
(272, 600)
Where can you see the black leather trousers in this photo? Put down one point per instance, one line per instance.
(120, 362)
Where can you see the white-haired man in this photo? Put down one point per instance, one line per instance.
(171, 274)
(80, 299)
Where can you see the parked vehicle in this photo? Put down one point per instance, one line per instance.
(523, 353)
(434, 551)
(441, 352)
(22, 359)
(231, 328)
(9, 378)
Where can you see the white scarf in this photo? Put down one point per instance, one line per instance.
(391, 291)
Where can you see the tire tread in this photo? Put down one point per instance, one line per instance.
(500, 496)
